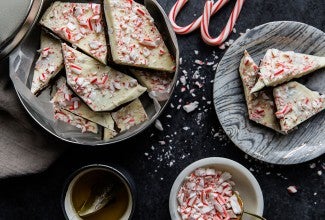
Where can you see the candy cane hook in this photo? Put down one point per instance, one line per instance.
(208, 12)
(197, 22)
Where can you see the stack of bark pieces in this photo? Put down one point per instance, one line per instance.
(284, 104)
(91, 94)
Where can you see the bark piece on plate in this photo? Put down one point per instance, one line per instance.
(74, 120)
(296, 103)
(130, 115)
(49, 63)
(81, 24)
(260, 105)
(281, 66)
(158, 83)
(101, 87)
(134, 38)
(65, 99)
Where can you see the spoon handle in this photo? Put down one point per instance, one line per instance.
(256, 216)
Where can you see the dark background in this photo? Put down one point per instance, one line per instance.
(155, 166)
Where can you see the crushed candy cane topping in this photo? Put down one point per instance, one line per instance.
(138, 40)
(208, 194)
(80, 24)
(277, 65)
(90, 85)
(74, 120)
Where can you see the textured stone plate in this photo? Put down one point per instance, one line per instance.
(303, 144)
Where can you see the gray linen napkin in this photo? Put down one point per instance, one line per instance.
(25, 147)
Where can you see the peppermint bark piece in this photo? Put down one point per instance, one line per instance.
(130, 115)
(134, 38)
(65, 99)
(281, 66)
(260, 105)
(101, 87)
(80, 24)
(296, 103)
(49, 63)
(74, 120)
(109, 133)
(158, 83)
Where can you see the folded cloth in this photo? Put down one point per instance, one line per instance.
(25, 147)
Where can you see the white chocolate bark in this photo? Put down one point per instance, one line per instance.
(74, 120)
(130, 115)
(296, 103)
(158, 83)
(109, 134)
(281, 66)
(260, 105)
(65, 99)
(134, 38)
(80, 24)
(101, 87)
(49, 63)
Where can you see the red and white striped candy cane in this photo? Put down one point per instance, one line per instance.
(197, 22)
(208, 12)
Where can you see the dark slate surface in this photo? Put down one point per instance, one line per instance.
(155, 166)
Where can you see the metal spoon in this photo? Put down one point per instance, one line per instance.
(241, 203)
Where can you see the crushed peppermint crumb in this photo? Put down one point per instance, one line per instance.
(186, 128)
(210, 63)
(158, 125)
(182, 79)
(199, 62)
(191, 106)
(319, 172)
(196, 52)
(222, 47)
(292, 189)
(312, 165)
(162, 142)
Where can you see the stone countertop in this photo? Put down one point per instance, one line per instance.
(154, 158)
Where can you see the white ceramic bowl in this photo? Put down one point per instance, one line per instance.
(246, 184)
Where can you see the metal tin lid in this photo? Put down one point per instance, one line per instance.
(16, 19)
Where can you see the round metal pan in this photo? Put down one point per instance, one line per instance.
(162, 23)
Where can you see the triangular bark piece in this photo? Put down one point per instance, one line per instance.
(75, 120)
(260, 106)
(130, 115)
(296, 103)
(134, 38)
(49, 63)
(101, 87)
(65, 99)
(281, 66)
(81, 24)
(158, 83)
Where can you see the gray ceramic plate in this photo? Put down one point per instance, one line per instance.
(303, 144)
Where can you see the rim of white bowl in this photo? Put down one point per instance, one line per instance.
(213, 161)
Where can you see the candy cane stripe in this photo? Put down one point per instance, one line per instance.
(227, 29)
(196, 23)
